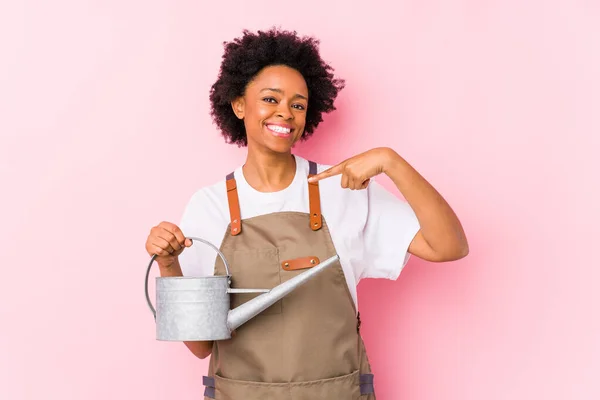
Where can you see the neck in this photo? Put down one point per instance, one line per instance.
(269, 172)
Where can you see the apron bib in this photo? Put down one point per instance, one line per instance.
(305, 346)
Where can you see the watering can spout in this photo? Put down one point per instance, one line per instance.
(252, 308)
(198, 308)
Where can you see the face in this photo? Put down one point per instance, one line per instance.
(274, 109)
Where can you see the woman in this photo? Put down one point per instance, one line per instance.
(277, 212)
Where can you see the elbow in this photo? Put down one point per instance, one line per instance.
(200, 349)
(461, 251)
(464, 251)
(451, 254)
(203, 355)
(457, 249)
(458, 252)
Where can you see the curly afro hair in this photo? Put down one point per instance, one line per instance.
(246, 56)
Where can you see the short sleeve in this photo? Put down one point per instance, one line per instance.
(200, 220)
(390, 227)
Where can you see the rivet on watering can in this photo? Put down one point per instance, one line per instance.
(312, 261)
(286, 265)
(235, 221)
(235, 229)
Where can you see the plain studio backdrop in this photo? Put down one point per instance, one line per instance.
(105, 126)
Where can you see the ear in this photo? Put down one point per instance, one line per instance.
(238, 105)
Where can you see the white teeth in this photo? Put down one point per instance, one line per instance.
(279, 129)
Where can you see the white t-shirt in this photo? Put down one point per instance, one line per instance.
(371, 229)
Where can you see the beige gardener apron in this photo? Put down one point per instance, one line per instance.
(306, 346)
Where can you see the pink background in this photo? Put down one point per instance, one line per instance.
(105, 132)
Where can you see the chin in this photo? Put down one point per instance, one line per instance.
(279, 146)
(280, 149)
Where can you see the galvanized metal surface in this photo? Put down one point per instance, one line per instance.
(190, 308)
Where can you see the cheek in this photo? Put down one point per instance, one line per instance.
(301, 123)
(301, 120)
(253, 112)
(260, 112)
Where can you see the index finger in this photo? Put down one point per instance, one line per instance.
(335, 170)
(174, 229)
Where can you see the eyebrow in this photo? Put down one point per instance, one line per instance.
(281, 91)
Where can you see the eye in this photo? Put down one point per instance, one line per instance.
(299, 106)
(270, 100)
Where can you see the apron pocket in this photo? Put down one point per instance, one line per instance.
(341, 387)
(231, 389)
(345, 387)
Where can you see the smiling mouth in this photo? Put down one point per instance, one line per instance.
(278, 130)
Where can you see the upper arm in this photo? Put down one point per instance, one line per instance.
(420, 248)
(390, 227)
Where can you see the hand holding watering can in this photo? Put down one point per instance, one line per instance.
(190, 308)
(167, 241)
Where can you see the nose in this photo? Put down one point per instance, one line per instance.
(284, 111)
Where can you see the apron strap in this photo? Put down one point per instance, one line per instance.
(234, 205)
(366, 384)
(314, 199)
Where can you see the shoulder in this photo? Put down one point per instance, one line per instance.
(206, 205)
(205, 216)
(209, 195)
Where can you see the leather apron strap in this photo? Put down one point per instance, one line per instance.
(209, 386)
(234, 205)
(314, 201)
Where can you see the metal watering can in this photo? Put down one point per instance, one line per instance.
(198, 308)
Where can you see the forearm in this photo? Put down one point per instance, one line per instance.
(440, 227)
(198, 348)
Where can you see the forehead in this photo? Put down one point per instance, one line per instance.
(280, 77)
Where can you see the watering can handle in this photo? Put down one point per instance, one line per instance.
(154, 257)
